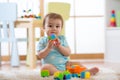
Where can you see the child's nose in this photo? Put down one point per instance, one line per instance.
(54, 27)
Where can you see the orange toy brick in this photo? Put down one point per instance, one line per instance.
(76, 69)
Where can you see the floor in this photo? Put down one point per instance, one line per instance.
(88, 63)
(102, 64)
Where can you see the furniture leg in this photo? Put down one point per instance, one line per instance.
(31, 56)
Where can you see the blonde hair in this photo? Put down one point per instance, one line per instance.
(53, 16)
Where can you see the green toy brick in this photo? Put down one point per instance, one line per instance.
(45, 73)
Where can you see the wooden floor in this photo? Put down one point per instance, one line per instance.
(88, 63)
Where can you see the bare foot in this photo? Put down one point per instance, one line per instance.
(93, 70)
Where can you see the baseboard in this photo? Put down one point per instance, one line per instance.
(72, 56)
(87, 56)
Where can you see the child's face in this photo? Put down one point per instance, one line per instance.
(53, 26)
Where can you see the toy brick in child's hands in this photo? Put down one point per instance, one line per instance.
(54, 38)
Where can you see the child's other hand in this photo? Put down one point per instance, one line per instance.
(50, 44)
(57, 42)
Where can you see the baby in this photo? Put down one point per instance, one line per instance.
(55, 53)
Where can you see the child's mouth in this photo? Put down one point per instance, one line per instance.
(52, 32)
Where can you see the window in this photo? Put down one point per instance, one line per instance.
(34, 7)
(26, 6)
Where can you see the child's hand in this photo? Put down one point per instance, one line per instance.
(56, 42)
(50, 44)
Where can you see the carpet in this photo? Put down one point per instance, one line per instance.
(104, 74)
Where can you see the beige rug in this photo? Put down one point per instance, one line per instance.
(104, 74)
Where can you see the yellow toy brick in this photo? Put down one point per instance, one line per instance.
(87, 75)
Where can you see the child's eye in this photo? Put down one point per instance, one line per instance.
(49, 25)
(57, 26)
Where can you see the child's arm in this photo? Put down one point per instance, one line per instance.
(43, 53)
(64, 50)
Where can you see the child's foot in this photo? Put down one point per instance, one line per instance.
(93, 70)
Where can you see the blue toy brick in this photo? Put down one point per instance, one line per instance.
(68, 76)
(53, 36)
(82, 75)
(56, 79)
(74, 75)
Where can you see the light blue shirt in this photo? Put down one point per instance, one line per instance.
(54, 57)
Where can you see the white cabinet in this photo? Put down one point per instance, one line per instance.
(112, 45)
(112, 52)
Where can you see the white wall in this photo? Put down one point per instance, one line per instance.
(85, 27)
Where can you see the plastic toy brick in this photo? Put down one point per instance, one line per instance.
(85, 75)
(75, 69)
(62, 75)
(45, 73)
(52, 37)
(58, 76)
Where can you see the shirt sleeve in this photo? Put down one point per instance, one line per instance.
(40, 45)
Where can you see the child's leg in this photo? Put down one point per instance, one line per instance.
(51, 68)
(93, 70)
